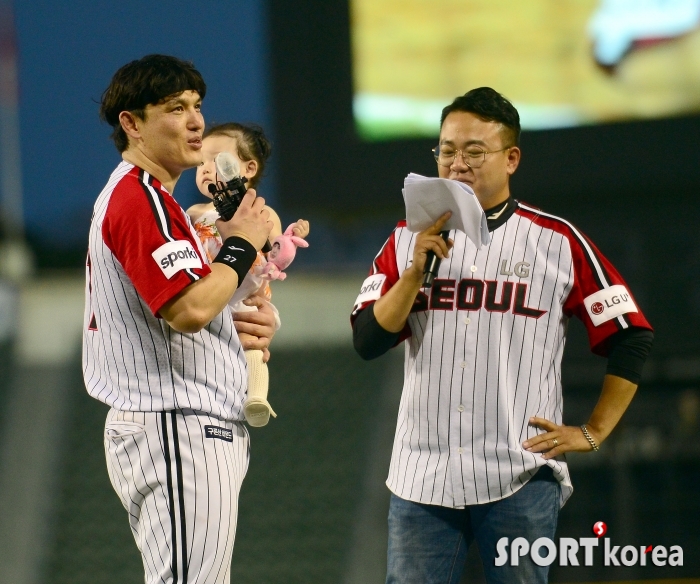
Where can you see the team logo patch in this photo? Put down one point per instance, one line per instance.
(174, 256)
(371, 289)
(220, 433)
(610, 303)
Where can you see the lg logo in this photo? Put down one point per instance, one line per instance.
(521, 269)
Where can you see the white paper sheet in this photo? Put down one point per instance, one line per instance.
(427, 198)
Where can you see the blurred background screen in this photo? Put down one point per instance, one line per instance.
(561, 62)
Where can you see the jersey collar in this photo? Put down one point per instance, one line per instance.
(498, 215)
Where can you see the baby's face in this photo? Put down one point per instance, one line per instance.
(211, 146)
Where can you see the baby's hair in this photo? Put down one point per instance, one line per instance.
(251, 142)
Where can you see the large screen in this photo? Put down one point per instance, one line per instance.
(561, 62)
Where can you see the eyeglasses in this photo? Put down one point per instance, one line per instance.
(473, 156)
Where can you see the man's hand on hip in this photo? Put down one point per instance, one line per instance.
(556, 440)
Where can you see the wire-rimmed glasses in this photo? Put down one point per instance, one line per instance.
(473, 156)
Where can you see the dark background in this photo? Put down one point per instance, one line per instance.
(68, 52)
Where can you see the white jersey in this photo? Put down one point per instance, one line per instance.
(484, 349)
(142, 252)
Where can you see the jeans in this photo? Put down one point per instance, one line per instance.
(428, 544)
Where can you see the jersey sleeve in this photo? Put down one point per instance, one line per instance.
(152, 238)
(599, 297)
(383, 275)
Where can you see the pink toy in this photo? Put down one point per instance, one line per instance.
(284, 248)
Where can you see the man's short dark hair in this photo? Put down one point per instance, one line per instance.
(490, 106)
(146, 81)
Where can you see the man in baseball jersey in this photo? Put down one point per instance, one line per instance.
(479, 447)
(160, 346)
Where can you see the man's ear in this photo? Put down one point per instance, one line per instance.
(513, 159)
(130, 124)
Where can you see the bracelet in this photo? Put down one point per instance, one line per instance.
(238, 254)
(589, 438)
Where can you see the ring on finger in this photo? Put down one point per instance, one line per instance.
(555, 442)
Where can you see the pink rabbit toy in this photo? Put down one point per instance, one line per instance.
(284, 248)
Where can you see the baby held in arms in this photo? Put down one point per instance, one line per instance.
(251, 149)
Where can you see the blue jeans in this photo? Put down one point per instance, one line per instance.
(428, 544)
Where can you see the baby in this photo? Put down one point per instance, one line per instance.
(251, 149)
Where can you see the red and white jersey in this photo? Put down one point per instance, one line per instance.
(142, 252)
(483, 353)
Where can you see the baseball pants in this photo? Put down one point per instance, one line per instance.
(178, 475)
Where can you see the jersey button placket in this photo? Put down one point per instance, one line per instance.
(467, 319)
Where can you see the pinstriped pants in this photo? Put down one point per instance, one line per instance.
(178, 475)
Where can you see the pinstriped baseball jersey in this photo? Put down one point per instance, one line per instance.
(484, 349)
(142, 252)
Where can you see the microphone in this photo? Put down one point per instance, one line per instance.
(432, 264)
(228, 193)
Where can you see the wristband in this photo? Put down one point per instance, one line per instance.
(238, 254)
(589, 438)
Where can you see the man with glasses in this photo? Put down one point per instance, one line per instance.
(479, 447)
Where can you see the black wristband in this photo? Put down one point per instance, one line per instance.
(238, 254)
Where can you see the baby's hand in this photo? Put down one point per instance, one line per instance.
(301, 228)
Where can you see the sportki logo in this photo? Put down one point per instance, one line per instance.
(169, 260)
(544, 551)
(374, 286)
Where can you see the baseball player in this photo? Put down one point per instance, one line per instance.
(160, 346)
(479, 447)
